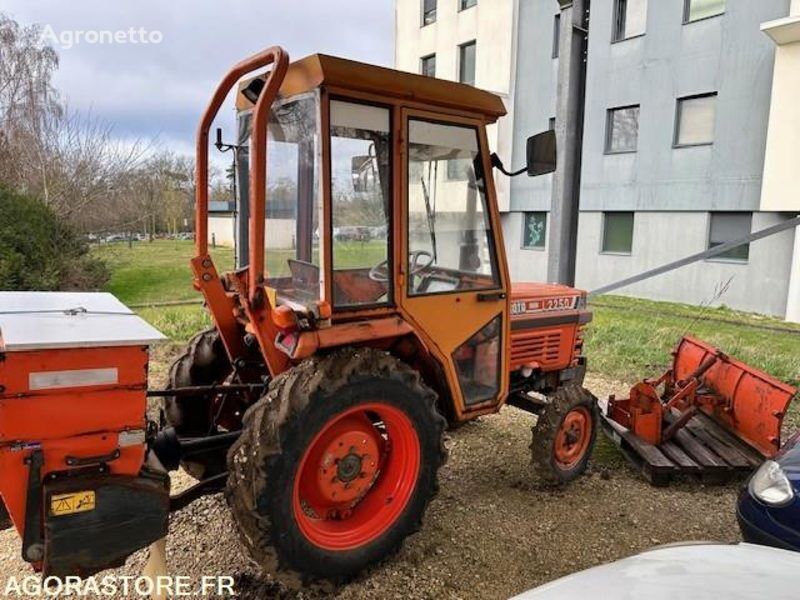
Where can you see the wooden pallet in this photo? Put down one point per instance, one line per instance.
(702, 448)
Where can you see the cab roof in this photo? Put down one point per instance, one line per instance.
(320, 70)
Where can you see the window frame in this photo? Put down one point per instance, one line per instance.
(422, 13)
(609, 121)
(618, 22)
(679, 115)
(726, 259)
(687, 9)
(491, 241)
(604, 230)
(556, 35)
(390, 254)
(461, 48)
(422, 60)
(461, 4)
(543, 247)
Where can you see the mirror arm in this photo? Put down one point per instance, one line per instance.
(498, 164)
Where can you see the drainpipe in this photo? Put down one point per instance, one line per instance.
(570, 106)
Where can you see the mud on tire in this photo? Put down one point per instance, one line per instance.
(204, 362)
(550, 464)
(282, 428)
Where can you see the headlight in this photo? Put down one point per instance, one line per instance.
(770, 485)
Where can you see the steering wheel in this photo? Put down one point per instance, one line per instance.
(380, 272)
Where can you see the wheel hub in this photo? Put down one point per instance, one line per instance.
(349, 467)
(572, 439)
(350, 462)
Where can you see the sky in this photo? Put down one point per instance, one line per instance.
(157, 83)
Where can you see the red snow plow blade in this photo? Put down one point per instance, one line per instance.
(747, 401)
(664, 421)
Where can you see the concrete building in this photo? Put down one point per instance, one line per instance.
(472, 41)
(676, 122)
(692, 125)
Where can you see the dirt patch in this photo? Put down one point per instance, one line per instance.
(490, 533)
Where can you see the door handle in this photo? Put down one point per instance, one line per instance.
(491, 296)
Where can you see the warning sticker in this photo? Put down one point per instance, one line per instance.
(68, 504)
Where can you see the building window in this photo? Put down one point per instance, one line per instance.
(428, 12)
(427, 65)
(556, 34)
(618, 232)
(726, 227)
(466, 63)
(695, 120)
(630, 19)
(534, 230)
(465, 4)
(696, 10)
(622, 129)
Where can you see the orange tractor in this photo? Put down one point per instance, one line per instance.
(375, 308)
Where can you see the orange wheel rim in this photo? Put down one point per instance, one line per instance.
(572, 438)
(356, 477)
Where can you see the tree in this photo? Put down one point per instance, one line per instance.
(39, 252)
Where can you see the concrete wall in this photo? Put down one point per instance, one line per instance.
(524, 264)
(534, 97)
(760, 285)
(726, 54)
(220, 229)
(491, 23)
(279, 233)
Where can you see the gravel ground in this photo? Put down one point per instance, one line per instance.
(490, 533)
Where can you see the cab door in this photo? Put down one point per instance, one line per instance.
(451, 270)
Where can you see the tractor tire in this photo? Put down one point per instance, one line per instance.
(204, 362)
(564, 435)
(299, 447)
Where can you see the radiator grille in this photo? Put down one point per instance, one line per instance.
(541, 347)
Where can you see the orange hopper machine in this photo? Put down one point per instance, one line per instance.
(709, 414)
(75, 480)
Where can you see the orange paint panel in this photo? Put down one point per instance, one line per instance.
(65, 417)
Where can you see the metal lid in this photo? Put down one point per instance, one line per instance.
(46, 320)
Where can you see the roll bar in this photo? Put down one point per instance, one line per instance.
(277, 57)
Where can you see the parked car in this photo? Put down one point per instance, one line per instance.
(769, 508)
(703, 571)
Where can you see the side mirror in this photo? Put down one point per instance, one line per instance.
(541, 154)
(364, 174)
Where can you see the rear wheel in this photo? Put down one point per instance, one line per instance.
(204, 362)
(564, 435)
(335, 466)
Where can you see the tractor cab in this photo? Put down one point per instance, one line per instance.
(368, 185)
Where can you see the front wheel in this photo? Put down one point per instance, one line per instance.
(564, 435)
(335, 466)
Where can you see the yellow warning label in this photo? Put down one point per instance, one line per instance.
(67, 504)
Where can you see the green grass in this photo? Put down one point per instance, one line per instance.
(156, 271)
(631, 338)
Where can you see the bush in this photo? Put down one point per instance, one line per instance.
(39, 252)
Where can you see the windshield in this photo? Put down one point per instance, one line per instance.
(291, 249)
(449, 235)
